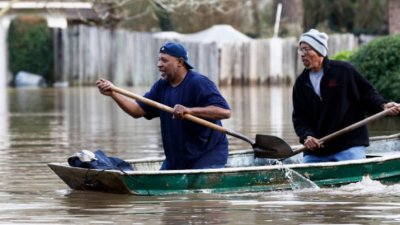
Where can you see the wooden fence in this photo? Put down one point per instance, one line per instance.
(83, 54)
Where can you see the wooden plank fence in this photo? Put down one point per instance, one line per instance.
(83, 54)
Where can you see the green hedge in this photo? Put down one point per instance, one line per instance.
(30, 47)
(379, 62)
(343, 55)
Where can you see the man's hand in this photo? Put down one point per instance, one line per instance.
(180, 111)
(393, 107)
(313, 143)
(105, 86)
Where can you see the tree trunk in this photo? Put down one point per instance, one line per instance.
(292, 17)
(394, 16)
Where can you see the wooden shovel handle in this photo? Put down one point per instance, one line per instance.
(347, 129)
(168, 109)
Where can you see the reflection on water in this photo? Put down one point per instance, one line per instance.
(3, 119)
(3, 91)
(257, 110)
(39, 126)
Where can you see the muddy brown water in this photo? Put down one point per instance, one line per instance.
(38, 126)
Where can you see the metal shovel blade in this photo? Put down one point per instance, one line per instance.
(272, 147)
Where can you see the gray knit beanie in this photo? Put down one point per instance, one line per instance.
(317, 40)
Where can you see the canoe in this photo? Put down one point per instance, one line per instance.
(243, 173)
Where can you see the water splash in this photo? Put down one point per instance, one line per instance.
(296, 180)
(367, 186)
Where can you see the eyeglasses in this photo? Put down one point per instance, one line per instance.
(304, 50)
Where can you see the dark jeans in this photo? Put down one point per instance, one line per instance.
(357, 152)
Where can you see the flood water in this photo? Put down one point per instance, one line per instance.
(38, 126)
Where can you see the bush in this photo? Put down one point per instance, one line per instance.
(343, 55)
(30, 47)
(379, 62)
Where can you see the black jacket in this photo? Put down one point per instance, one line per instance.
(346, 97)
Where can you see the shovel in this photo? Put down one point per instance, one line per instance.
(265, 146)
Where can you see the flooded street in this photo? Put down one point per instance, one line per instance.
(39, 126)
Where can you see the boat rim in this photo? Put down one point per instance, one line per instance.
(378, 158)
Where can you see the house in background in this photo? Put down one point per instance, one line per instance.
(58, 13)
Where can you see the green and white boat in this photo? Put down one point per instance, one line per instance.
(243, 173)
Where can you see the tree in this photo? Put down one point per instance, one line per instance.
(30, 46)
(354, 16)
(394, 16)
(253, 17)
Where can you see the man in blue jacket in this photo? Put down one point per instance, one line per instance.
(187, 145)
(328, 96)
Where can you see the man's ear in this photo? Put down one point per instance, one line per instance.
(181, 62)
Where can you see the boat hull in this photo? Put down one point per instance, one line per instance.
(243, 173)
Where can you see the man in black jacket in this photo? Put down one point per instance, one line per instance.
(328, 96)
